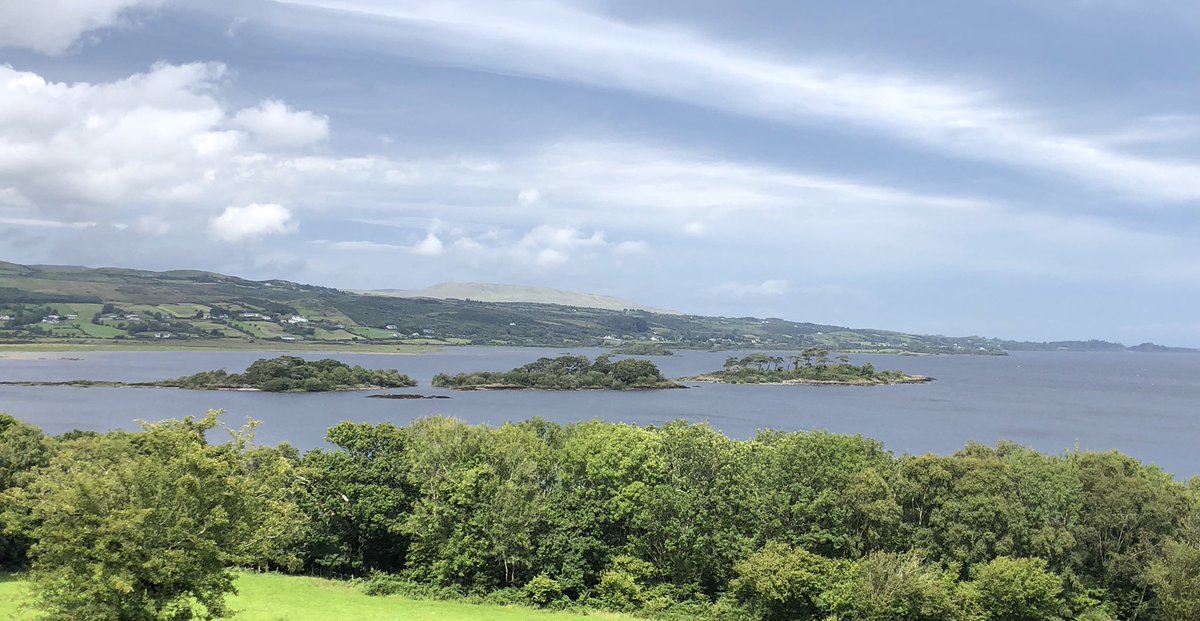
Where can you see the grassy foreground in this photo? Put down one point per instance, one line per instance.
(272, 597)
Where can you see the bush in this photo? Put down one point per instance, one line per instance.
(543, 590)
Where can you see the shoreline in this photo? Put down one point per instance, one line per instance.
(116, 384)
(907, 379)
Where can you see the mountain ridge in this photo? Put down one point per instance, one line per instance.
(82, 306)
(506, 293)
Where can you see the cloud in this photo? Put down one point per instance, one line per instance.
(694, 228)
(431, 246)
(45, 224)
(630, 248)
(52, 26)
(251, 222)
(551, 246)
(560, 41)
(357, 245)
(162, 140)
(273, 123)
(529, 197)
(764, 288)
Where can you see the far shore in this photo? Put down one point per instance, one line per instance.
(907, 379)
(114, 384)
(29, 351)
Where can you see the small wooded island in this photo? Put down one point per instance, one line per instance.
(294, 374)
(810, 367)
(282, 374)
(564, 373)
(643, 349)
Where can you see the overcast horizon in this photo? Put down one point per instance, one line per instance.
(1018, 169)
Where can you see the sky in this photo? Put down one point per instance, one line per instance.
(1025, 169)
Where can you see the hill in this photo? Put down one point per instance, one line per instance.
(72, 306)
(491, 292)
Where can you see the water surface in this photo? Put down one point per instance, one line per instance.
(1140, 404)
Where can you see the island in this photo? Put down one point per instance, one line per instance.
(810, 367)
(294, 374)
(643, 349)
(281, 374)
(565, 373)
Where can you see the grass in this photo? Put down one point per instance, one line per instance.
(272, 597)
(83, 345)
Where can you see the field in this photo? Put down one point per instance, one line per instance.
(269, 597)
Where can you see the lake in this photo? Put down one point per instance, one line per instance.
(1141, 404)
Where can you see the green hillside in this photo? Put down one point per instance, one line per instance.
(108, 307)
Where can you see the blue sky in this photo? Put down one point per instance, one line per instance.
(1019, 169)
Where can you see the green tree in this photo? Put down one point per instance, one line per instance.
(1128, 511)
(888, 586)
(1015, 589)
(143, 526)
(23, 449)
(782, 583)
(358, 499)
(1175, 579)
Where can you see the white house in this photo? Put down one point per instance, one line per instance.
(297, 319)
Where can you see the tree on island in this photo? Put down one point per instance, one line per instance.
(294, 374)
(811, 365)
(565, 373)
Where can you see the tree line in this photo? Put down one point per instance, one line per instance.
(293, 374)
(564, 373)
(677, 521)
(810, 365)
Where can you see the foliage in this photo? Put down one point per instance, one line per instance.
(23, 449)
(781, 583)
(887, 586)
(294, 374)
(1015, 589)
(565, 373)
(643, 349)
(810, 366)
(670, 522)
(144, 526)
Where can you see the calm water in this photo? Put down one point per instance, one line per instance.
(1141, 404)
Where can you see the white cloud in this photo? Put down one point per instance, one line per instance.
(52, 26)
(45, 224)
(431, 246)
(357, 245)
(550, 246)
(764, 288)
(630, 248)
(529, 197)
(273, 123)
(556, 40)
(251, 222)
(111, 151)
(694, 228)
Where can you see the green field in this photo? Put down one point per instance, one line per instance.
(271, 597)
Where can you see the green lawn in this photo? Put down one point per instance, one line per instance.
(184, 311)
(374, 333)
(271, 597)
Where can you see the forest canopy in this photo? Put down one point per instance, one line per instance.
(294, 374)
(670, 522)
(811, 366)
(564, 373)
